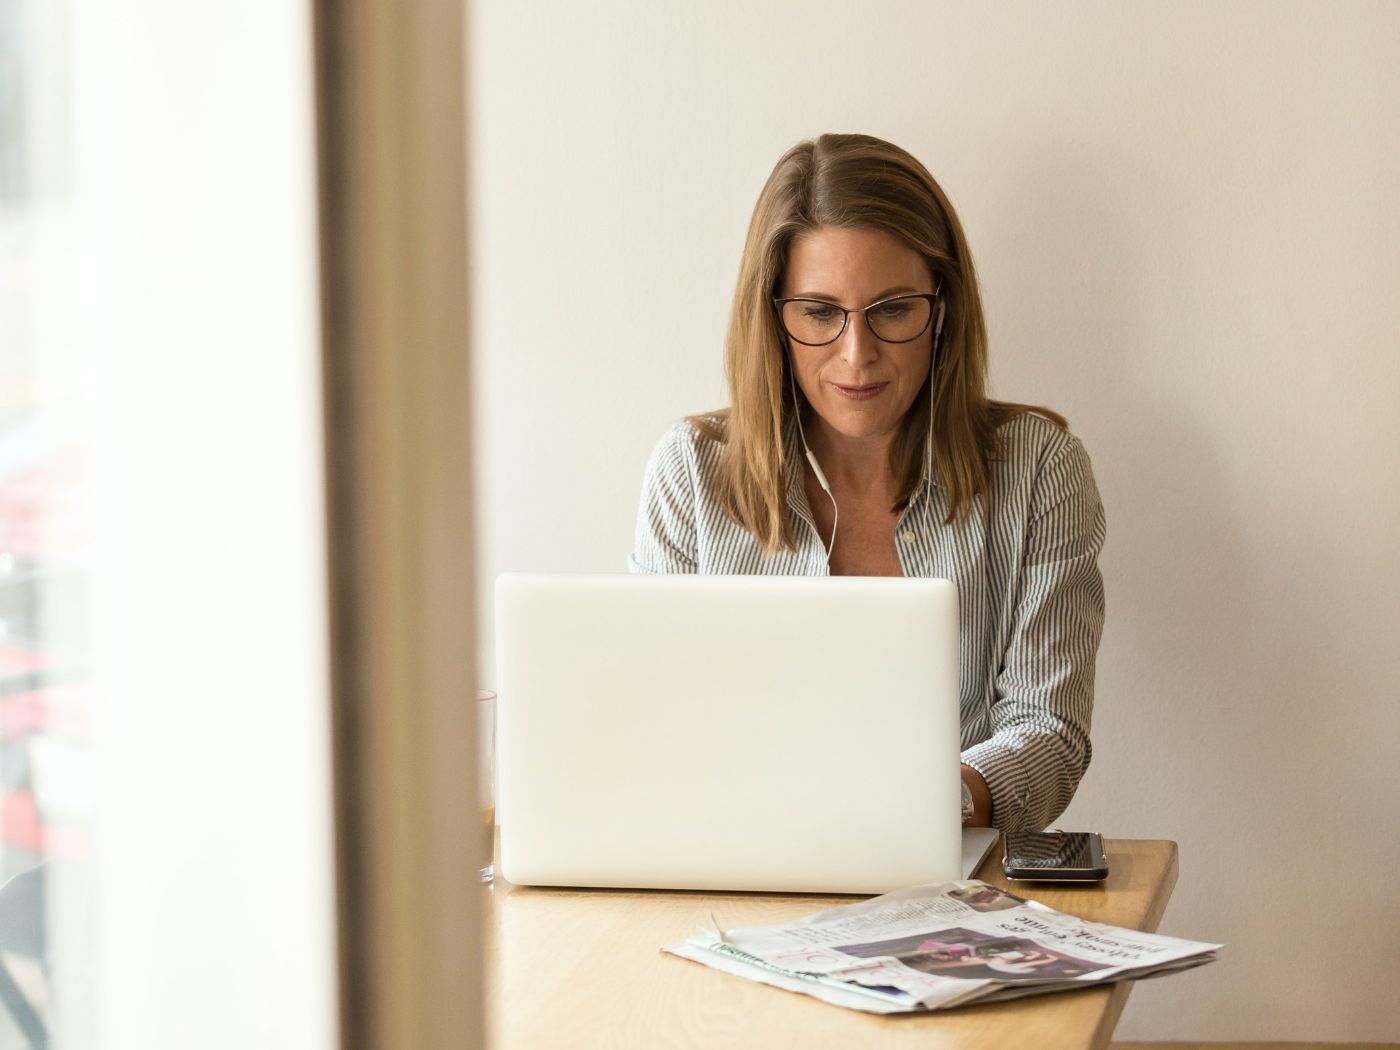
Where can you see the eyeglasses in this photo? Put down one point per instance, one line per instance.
(816, 322)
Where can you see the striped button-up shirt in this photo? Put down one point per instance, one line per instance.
(1030, 594)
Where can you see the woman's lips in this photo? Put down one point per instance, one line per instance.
(860, 393)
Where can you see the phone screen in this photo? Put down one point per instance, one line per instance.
(1054, 849)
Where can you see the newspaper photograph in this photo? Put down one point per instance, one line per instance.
(939, 946)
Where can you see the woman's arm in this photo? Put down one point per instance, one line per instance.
(1039, 747)
(666, 536)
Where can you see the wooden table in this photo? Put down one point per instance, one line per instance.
(581, 968)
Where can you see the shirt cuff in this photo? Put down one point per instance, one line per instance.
(1007, 782)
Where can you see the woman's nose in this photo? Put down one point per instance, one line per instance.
(858, 344)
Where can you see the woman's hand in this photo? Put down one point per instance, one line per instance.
(981, 798)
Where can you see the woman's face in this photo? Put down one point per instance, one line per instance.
(859, 386)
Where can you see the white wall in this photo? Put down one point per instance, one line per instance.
(1186, 218)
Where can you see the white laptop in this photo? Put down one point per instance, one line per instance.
(729, 733)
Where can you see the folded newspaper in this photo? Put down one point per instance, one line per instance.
(939, 946)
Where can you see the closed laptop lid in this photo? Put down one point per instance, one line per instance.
(728, 732)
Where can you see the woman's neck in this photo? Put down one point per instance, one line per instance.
(860, 466)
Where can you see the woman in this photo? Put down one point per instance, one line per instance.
(860, 441)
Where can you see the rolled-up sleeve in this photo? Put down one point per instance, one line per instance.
(1044, 692)
(666, 536)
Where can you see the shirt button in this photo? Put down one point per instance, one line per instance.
(908, 536)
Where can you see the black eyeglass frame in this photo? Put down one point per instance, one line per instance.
(778, 304)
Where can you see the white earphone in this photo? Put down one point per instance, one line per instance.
(816, 468)
(812, 459)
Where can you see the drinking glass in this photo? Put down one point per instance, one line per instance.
(486, 780)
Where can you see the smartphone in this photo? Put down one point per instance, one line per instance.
(1054, 856)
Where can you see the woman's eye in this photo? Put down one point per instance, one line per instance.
(893, 310)
(819, 313)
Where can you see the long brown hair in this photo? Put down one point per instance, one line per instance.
(855, 182)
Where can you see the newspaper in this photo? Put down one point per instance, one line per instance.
(939, 946)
